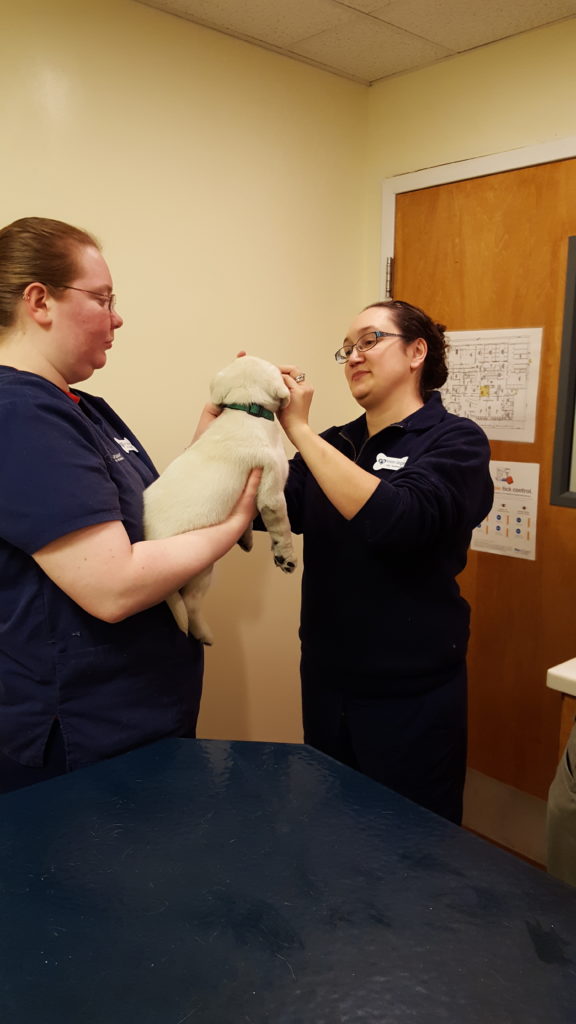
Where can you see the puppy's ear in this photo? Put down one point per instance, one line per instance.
(220, 385)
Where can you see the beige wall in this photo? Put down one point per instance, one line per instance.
(224, 184)
(237, 196)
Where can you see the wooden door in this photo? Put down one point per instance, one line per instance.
(490, 253)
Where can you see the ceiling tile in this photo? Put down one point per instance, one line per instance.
(368, 49)
(461, 24)
(276, 23)
(366, 6)
(369, 39)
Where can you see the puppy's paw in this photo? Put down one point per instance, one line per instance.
(286, 564)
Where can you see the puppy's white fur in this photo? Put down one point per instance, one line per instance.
(201, 486)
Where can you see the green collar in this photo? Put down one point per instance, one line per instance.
(252, 409)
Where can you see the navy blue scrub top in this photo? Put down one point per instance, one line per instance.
(65, 465)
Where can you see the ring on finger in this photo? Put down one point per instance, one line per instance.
(300, 377)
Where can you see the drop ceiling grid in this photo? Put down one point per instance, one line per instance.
(368, 40)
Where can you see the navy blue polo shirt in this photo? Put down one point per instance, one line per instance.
(65, 465)
(380, 603)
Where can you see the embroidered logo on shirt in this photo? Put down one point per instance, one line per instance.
(125, 444)
(389, 462)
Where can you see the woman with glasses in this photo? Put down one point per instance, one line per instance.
(387, 505)
(91, 661)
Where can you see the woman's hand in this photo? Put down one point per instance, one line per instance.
(245, 509)
(294, 418)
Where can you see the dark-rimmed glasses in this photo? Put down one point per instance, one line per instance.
(363, 344)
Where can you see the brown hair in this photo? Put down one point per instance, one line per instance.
(37, 249)
(415, 323)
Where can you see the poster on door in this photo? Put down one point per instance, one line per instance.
(510, 527)
(493, 379)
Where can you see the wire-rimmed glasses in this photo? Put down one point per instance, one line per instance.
(363, 344)
(108, 300)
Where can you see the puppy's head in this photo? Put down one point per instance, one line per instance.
(250, 379)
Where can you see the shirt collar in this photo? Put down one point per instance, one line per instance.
(425, 417)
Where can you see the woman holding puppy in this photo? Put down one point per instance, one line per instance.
(387, 505)
(92, 663)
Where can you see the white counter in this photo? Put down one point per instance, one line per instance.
(563, 677)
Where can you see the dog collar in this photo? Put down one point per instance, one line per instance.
(252, 409)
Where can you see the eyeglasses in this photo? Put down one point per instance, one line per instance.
(108, 300)
(363, 344)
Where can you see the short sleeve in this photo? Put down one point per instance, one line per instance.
(54, 477)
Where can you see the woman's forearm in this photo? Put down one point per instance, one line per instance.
(111, 578)
(157, 568)
(346, 485)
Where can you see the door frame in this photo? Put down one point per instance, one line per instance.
(442, 174)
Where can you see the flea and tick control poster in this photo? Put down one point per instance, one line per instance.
(510, 528)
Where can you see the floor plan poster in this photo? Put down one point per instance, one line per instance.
(510, 528)
(493, 380)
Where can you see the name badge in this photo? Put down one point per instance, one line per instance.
(125, 444)
(388, 462)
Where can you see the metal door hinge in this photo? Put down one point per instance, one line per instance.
(389, 276)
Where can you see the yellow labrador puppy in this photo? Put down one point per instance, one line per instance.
(201, 486)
